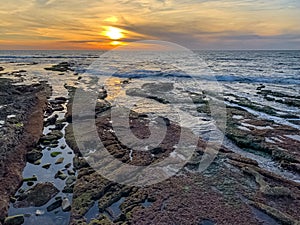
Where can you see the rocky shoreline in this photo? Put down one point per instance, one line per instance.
(235, 189)
(21, 115)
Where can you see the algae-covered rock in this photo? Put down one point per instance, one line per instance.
(37, 196)
(30, 179)
(14, 220)
(34, 155)
(60, 175)
(70, 180)
(54, 154)
(52, 136)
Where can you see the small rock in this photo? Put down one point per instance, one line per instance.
(54, 205)
(61, 67)
(156, 150)
(53, 145)
(68, 189)
(52, 136)
(34, 156)
(58, 198)
(70, 180)
(11, 116)
(61, 99)
(68, 165)
(60, 175)
(54, 154)
(58, 126)
(30, 179)
(13, 199)
(71, 172)
(60, 160)
(39, 212)
(63, 146)
(38, 162)
(66, 206)
(46, 166)
(58, 107)
(21, 190)
(30, 183)
(51, 120)
(14, 220)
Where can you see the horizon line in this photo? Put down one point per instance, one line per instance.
(154, 50)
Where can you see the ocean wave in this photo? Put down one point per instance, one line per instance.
(220, 78)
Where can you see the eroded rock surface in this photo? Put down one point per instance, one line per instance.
(21, 113)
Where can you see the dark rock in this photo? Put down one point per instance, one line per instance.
(63, 99)
(46, 166)
(260, 87)
(158, 87)
(102, 94)
(14, 220)
(33, 178)
(70, 180)
(57, 107)
(156, 150)
(60, 175)
(68, 189)
(34, 155)
(57, 101)
(51, 120)
(71, 172)
(37, 196)
(58, 126)
(54, 154)
(68, 165)
(61, 67)
(30, 183)
(52, 136)
(54, 205)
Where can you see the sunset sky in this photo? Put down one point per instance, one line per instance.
(195, 24)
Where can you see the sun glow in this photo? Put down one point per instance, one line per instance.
(114, 33)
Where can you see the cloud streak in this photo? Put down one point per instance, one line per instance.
(195, 24)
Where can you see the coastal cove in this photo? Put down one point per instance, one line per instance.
(47, 178)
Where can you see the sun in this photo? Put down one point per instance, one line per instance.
(114, 33)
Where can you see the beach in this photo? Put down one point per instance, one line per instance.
(244, 116)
